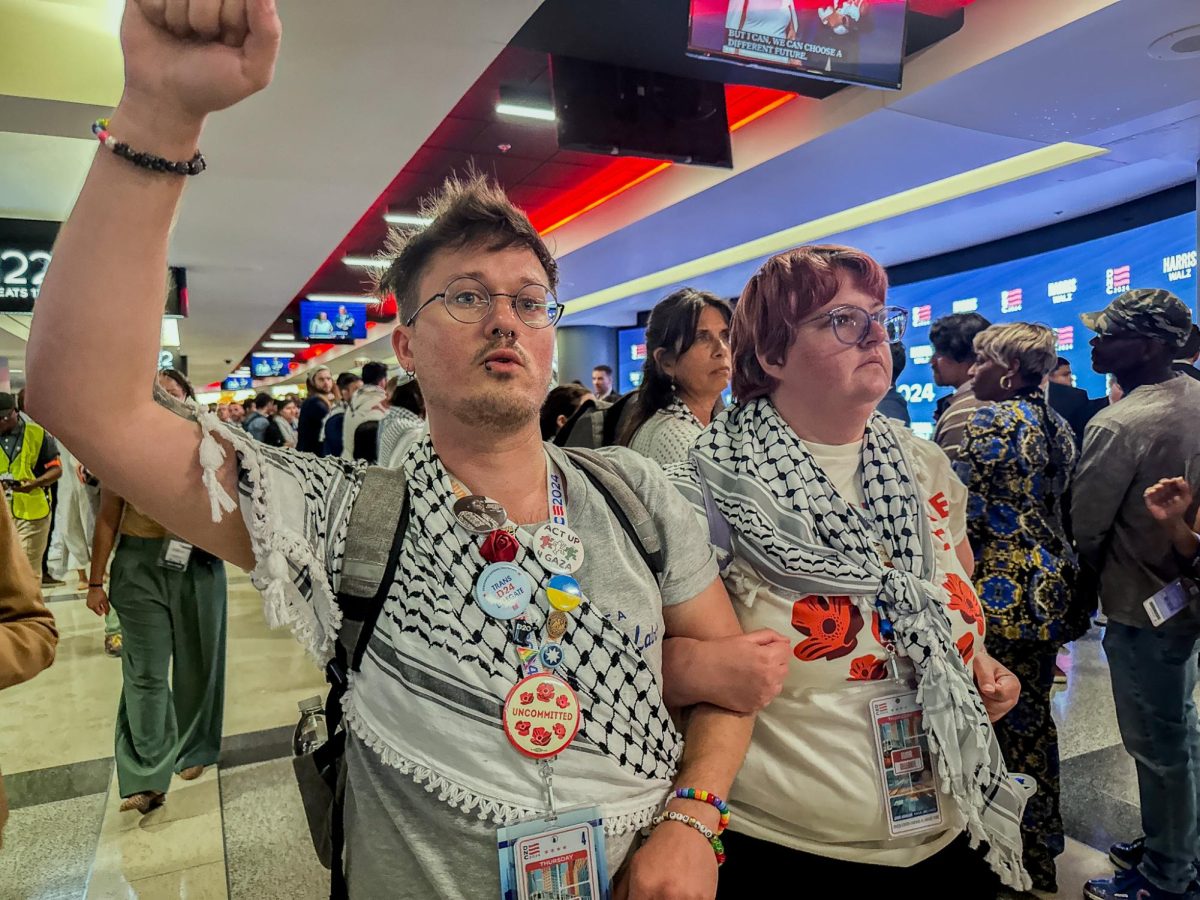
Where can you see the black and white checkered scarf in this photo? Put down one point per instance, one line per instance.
(789, 523)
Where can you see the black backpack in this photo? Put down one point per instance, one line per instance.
(597, 423)
(374, 537)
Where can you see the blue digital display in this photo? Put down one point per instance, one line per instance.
(1052, 289)
(236, 383)
(264, 365)
(332, 323)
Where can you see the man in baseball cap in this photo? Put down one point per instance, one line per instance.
(1148, 435)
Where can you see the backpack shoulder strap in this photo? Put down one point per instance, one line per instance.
(625, 504)
(374, 536)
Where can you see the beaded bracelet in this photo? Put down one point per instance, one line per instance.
(718, 847)
(194, 166)
(709, 798)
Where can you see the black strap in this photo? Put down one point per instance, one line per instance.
(653, 561)
(337, 674)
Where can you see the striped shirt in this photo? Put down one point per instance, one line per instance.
(951, 424)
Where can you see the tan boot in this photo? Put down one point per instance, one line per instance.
(144, 802)
(191, 773)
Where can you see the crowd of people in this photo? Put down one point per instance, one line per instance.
(785, 635)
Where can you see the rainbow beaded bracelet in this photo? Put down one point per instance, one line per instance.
(709, 798)
(718, 847)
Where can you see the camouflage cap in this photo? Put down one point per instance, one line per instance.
(1146, 312)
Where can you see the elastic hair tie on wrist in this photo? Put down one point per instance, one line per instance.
(150, 161)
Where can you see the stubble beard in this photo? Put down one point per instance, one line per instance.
(497, 410)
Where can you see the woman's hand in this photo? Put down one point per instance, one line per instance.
(999, 688)
(749, 669)
(1169, 499)
(97, 601)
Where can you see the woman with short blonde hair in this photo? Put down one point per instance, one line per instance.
(1016, 458)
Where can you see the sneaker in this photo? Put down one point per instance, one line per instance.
(1130, 885)
(112, 645)
(49, 580)
(1126, 855)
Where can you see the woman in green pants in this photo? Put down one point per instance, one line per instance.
(171, 599)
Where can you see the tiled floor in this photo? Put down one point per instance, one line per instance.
(240, 832)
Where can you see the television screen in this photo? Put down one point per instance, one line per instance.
(618, 111)
(631, 354)
(854, 41)
(1052, 289)
(332, 323)
(265, 365)
(236, 383)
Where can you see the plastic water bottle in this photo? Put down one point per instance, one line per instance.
(311, 730)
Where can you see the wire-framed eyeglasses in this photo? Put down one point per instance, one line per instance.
(468, 301)
(852, 324)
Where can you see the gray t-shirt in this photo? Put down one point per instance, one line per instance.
(400, 839)
(1147, 435)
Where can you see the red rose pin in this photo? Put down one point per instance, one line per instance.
(499, 546)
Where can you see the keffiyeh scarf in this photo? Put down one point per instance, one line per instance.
(437, 668)
(789, 523)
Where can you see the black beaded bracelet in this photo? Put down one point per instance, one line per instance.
(193, 166)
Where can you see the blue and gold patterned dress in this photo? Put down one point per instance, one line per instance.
(1017, 458)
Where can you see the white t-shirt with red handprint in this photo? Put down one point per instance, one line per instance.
(810, 780)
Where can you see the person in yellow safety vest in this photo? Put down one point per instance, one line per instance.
(29, 464)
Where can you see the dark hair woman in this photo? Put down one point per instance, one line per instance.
(687, 368)
(171, 600)
(1016, 459)
(560, 405)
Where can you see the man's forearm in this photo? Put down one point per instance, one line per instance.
(1185, 541)
(716, 743)
(44, 481)
(117, 235)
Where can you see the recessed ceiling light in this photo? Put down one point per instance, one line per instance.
(364, 262)
(279, 353)
(400, 218)
(526, 111)
(1184, 43)
(285, 345)
(283, 337)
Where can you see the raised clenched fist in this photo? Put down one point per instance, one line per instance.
(187, 58)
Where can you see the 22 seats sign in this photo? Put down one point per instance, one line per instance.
(21, 274)
(25, 247)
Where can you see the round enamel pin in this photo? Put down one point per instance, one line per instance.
(558, 548)
(541, 716)
(504, 590)
(479, 514)
(563, 592)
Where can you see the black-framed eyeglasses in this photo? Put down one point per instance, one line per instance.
(852, 324)
(468, 301)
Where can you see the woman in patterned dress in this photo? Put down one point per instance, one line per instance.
(687, 369)
(1017, 456)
